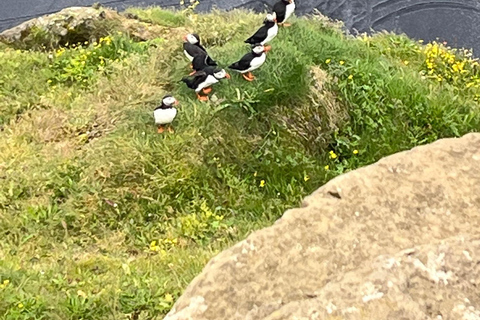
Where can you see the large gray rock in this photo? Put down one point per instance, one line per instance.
(399, 239)
(77, 24)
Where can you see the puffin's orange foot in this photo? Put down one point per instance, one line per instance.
(202, 98)
(191, 66)
(170, 129)
(207, 90)
(192, 73)
(248, 77)
(286, 25)
(161, 129)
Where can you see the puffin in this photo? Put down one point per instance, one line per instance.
(251, 61)
(203, 79)
(200, 62)
(165, 113)
(193, 48)
(282, 10)
(266, 33)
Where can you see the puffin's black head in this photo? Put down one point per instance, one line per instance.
(288, 1)
(220, 74)
(196, 36)
(258, 49)
(192, 38)
(270, 18)
(169, 101)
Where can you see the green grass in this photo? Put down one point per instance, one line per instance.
(102, 218)
(158, 16)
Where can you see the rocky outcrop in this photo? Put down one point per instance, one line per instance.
(77, 24)
(399, 239)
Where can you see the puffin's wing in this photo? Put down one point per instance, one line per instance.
(192, 49)
(211, 62)
(258, 36)
(201, 47)
(280, 9)
(244, 63)
(199, 77)
(199, 62)
(193, 82)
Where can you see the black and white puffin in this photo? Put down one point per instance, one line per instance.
(193, 48)
(165, 113)
(266, 33)
(282, 10)
(251, 61)
(200, 62)
(203, 79)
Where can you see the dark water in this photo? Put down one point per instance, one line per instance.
(454, 21)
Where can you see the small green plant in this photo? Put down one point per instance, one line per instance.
(83, 61)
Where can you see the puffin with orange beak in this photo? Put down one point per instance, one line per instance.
(193, 48)
(266, 33)
(165, 113)
(203, 80)
(282, 10)
(251, 61)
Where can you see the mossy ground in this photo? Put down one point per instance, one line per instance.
(103, 218)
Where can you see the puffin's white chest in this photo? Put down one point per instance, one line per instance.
(207, 83)
(187, 55)
(271, 33)
(289, 10)
(164, 116)
(257, 62)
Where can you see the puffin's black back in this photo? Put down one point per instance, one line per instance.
(194, 81)
(280, 9)
(244, 63)
(202, 61)
(261, 33)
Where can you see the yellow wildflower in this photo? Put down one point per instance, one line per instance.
(153, 246)
(20, 305)
(306, 178)
(350, 77)
(342, 62)
(255, 174)
(168, 297)
(406, 62)
(327, 167)
(328, 61)
(355, 151)
(333, 155)
(262, 183)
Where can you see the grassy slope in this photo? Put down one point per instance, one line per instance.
(102, 218)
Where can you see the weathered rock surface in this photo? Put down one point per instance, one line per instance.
(399, 239)
(78, 24)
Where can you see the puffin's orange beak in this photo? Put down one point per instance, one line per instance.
(290, 1)
(275, 20)
(267, 48)
(176, 102)
(227, 76)
(184, 38)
